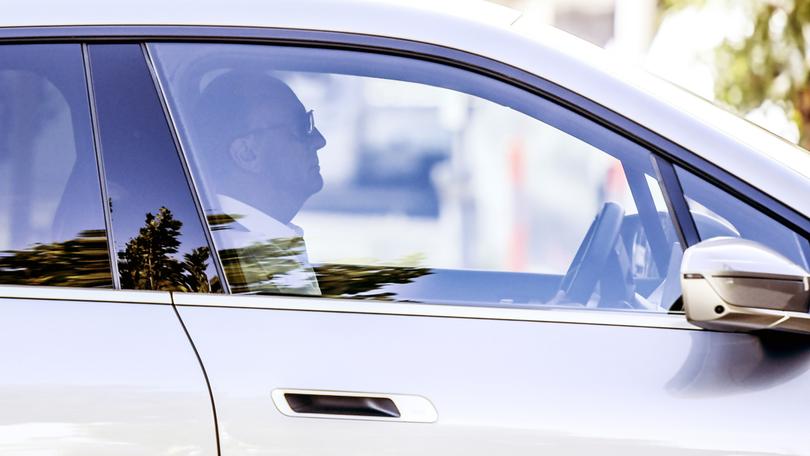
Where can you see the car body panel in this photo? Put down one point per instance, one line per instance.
(498, 386)
(91, 372)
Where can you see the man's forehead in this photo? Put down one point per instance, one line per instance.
(277, 101)
(275, 110)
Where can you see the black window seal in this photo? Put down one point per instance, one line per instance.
(676, 202)
(105, 196)
(663, 148)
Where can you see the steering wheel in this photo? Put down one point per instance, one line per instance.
(592, 254)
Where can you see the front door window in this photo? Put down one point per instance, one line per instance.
(353, 175)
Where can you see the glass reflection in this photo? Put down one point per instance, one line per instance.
(51, 221)
(366, 282)
(157, 248)
(80, 262)
(272, 267)
(147, 261)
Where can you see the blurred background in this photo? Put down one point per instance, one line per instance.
(750, 56)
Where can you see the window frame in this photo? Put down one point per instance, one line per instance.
(666, 153)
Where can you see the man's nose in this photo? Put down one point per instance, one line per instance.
(316, 139)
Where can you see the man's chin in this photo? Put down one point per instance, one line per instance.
(315, 185)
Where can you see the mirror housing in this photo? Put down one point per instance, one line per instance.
(733, 284)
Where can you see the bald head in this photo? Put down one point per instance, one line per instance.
(231, 105)
(261, 139)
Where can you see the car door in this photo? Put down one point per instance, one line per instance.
(86, 369)
(424, 256)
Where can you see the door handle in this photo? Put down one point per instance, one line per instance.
(354, 405)
(341, 405)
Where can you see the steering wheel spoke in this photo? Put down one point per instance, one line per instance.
(593, 254)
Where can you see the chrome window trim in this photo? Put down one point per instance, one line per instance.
(102, 176)
(85, 294)
(358, 306)
(351, 306)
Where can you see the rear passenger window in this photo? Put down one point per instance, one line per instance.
(52, 229)
(354, 175)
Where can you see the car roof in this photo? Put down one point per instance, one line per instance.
(259, 13)
(759, 158)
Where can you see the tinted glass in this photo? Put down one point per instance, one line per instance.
(158, 234)
(717, 213)
(51, 221)
(347, 174)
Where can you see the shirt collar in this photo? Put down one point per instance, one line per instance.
(256, 221)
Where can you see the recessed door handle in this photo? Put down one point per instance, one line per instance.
(341, 405)
(354, 405)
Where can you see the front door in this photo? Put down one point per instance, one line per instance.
(421, 258)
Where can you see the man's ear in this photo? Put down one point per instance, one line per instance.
(242, 153)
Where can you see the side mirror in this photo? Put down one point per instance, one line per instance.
(732, 284)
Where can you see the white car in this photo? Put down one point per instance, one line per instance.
(327, 227)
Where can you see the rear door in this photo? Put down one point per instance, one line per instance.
(427, 258)
(86, 369)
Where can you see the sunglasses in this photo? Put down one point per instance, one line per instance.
(304, 127)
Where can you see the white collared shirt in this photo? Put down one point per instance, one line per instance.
(285, 265)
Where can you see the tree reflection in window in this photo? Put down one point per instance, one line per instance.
(148, 261)
(262, 266)
(256, 268)
(79, 262)
(365, 282)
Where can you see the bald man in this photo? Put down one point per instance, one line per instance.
(262, 167)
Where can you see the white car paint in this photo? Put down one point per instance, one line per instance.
(113, 373)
